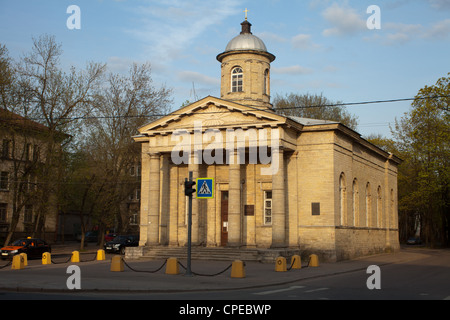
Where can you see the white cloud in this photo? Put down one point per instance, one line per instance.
(440, 4)
(292, 70)
(304, 42)
(195, 77)
(344, 20)
(439, 30)
(400, 33)
(167, 27)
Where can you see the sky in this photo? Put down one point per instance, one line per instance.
(321, 46)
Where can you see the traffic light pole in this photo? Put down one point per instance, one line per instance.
(188, 269)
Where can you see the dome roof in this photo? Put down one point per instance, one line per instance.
(246, 41)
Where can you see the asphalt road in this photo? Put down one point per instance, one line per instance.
(421, 279)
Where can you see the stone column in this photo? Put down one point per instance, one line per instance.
(154, 193)
(234, 202)
(278, 202)
(175, 193)
(165, 199)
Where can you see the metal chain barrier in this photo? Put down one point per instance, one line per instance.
(54, 262)
(95, 257)
(8, 264)
(207, 275)
(145, 271)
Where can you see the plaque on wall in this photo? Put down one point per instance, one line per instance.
(315, 208)
(249, 210)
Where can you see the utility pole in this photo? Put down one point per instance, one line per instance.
(188, 191)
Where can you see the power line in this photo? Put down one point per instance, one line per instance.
(362, 103)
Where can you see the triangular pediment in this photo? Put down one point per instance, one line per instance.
(213, 113)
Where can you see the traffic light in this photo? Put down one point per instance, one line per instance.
(188, 188)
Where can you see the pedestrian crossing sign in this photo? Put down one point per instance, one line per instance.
(205, 188)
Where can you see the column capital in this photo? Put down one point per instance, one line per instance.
(154, 154)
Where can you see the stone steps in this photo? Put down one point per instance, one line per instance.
(212, 254)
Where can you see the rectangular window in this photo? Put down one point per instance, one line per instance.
(4, 177)
(134, 218)
(267, 207)
(5, 149)
(36, 153)
(28, 215)
(3, 212)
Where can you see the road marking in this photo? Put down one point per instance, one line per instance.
(263, 293)
(316, 290)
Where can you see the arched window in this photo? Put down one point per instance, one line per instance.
(392, 223)
(237, 80)
(379, 223)
(368, 204)
(266, 82)
(355, 192)
(342, 199)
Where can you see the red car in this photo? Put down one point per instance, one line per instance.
(109, 237)
(33, 247)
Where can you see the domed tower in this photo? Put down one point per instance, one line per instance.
(246, 70)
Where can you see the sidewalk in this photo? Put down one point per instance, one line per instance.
(139, 276)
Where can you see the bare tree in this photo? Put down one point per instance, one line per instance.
(123, 104)
(48, 95)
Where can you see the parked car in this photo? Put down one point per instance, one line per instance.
(90, 236)
(110, 237)
(119, 243)
(414, 240)
(33, 247)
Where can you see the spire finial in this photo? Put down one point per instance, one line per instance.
(246, 12)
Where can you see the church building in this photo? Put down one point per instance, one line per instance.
(279, 182)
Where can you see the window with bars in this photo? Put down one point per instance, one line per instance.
(237, 80)
(267, 207)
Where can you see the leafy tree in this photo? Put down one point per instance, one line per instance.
(315, 107)
(422, 136)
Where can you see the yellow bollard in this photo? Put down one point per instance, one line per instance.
(46, 258)
(100, 255)
(75, 256)
(237, 269)
(25, 259)
(117, 264)
(296, 262)
(280, 264)
(17, 262)
(172, 266)
(313, 260)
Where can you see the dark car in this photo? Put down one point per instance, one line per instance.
(119, 243)
(90, 236)
(33, 247)
(414, 240)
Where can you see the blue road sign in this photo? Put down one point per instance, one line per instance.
(205, 188)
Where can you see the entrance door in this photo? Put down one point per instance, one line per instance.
(224, 219)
